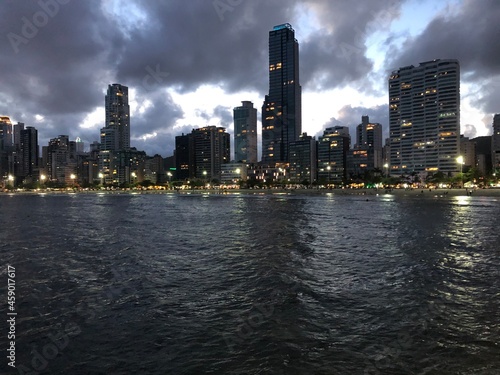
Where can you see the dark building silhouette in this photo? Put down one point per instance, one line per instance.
(281, 111)
(30, 152)
(483, 153)
(115, 136)
(304, 159)
(184, 156)
(211, 149)
(366, 154)
(201, 153)
(495, 145)
(245, 133)
(333, 149)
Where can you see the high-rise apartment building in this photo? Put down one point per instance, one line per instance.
(281, 111)
(495, 144)
(424, 117)
(115, 136)
(56, 161)
(245, 133)
(17, 134)
(304, 159)
(118, 116)
(211, 149)
(5, 145)
(333, 148)
(5, 133)
(184, 156)
(29, 152)
(201, 153)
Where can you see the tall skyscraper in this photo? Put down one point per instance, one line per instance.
(115, 136)
(5, 145)
(281, 111)
(333, 148)
(30, 152)
(184, 156)
(118, 116)
(5, 133)
(245, 133)
(424, 117)
(495, 144)
(17, 134)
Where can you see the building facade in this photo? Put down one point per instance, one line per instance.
(115, 136)
(424, 117)
(29, 153)
(201, 153)
(468, 151)
(495, 144)
(118, 116)
(281, 111)
(245, 133)
(367, 154)
(304, 160)
(211, 150)
(483, 146)
(5, 146)
(333, 149)
(184, 156)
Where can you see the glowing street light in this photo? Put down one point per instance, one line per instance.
(328, 169)
(72, 176)
(460, 160)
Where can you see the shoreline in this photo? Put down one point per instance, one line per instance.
(312, 192)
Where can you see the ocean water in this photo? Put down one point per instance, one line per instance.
(252, 284)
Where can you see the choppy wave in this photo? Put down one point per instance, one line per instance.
(165, 284)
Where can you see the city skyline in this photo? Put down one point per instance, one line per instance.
(192, 81)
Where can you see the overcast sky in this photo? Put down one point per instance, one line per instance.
(188, 63)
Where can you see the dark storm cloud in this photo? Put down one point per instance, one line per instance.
(58, 56)
(191, 43)
(470, 34)
(60, 66)
(54, 67)
(150, 130)
(334, 56)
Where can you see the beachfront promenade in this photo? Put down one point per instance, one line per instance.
(492, 192)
